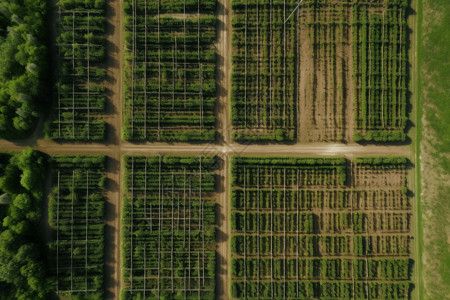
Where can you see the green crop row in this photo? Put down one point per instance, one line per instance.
(76, 216)
(380, 49)
(170, 89)
(169, 222)
(263, 74)
(80, 87)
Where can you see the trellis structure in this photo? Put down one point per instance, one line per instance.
(81, 74)
(380, 70)
(172, 90)
(256, 83)
(169, 215)
(298, 233)
(76, 209)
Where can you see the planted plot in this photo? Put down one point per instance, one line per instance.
(76, 211)
(325, 70)
(380, 47)
(320, 228)
(80, 89)
(170, 70)
(263, 75)
(168, 231)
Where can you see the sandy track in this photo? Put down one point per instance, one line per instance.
(224, 49)
(113, 118)
(231, 149)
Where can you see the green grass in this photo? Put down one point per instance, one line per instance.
(434, 87)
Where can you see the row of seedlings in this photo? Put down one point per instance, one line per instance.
(296, 232)
(380, 51)
(76, 216)
(81, 72)
(263, 74)
(168, 227)
(170, 70)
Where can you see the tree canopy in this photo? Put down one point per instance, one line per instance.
(22, 268)
(23, 64)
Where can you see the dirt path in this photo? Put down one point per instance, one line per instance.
(114, 48)
(413, 178)
(224, 49)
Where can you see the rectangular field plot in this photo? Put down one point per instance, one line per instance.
(168, 228)
(322, 228)
(325, 70)
(170, 70)
(380, 45)
(81, 74)
(76, 211)
(263, 75)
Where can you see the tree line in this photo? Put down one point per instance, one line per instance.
(23, 65)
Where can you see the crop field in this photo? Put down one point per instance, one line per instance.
(170, 70)
(329, 71)
(263, 75)
(168, 227)
(76, 216)
(380, 45)
(81, 73)
(320, 228)
(325, 70)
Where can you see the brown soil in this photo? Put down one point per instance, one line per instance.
(325, 77)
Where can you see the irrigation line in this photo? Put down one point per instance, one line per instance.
(173, 230)
(270, 66)
(159, 73)
(133, 66)
(159, 219)
(59, 82)
(245, 232)
(175, 72)
(73, 78)
(185, 59)
(284, 65)
(382, 74)
(145, 76)
(298, 5)
(131, 222)
(245, 67)
(258, 237)
(71, 233)
(257, 67)
(57, 236)
(88, 79)
(271, 231)
(202, 225)
(284, 232)
(87, 226)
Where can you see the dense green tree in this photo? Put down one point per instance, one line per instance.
(23, 64)
(22, 268)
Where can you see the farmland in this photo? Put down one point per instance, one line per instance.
(380, 45)
(216, 149)
(168, 227)
(324, 70)
(320, 227)
(76, 216)
(80, 90)
(263, 74)
(170, 70)
(331, 71)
